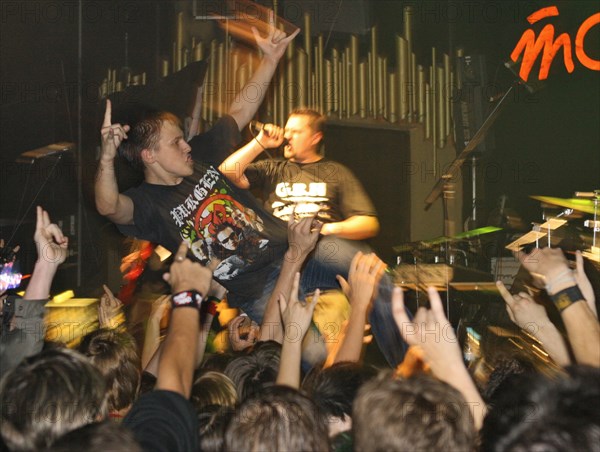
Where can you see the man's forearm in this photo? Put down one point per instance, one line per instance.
(106, 188)
(358, 227)
(553, 343)
(234, 166)
(246, 103)
(178, 357)
(271, 328)
(41, 279)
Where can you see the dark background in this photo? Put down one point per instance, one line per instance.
(547, 144)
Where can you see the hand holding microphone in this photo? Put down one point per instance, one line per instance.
(268, 135)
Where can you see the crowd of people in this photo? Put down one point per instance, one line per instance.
(258, 397)
(294, 377)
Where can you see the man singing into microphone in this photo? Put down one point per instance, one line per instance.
(305, 181)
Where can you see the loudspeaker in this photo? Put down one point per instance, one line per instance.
(472, 105)
(395, 165)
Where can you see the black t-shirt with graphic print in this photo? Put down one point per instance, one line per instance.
(324, 186)
(215, 218)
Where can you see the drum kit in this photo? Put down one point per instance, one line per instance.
(464, 261)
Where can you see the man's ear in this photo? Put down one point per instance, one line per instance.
(148, 156)
(317, 137)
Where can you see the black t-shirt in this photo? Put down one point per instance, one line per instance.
(215, 145)
(215, 218)
(324, 186)
(163, 421)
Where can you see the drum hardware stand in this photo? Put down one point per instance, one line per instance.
(445, 182)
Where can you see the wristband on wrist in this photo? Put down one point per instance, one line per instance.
(565, 276)
(187, 298)
(566, 297)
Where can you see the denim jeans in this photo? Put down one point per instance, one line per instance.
(332, 257)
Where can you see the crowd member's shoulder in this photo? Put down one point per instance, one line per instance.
(163, 420)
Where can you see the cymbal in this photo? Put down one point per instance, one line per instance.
(477, 232)
(582, 205)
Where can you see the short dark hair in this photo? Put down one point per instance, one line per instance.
(316, 120)
(281, 418)
(334, 388)
(541, 410)
(115, 355)
(48, 395)
(417, 413)
(212, 422)
(105, 435)
(257, 370)
(145, 134)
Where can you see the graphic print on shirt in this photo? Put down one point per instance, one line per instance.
(307, 199)
(215, 225)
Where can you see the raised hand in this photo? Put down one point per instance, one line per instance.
(297, 315)
(109, 310)
(365, 273)
(548, 264)
(303, 235)
(523, 310)
(112, 134)
(187, 275)
(241, 335)
(274, 44)
(430, 330)
(270, 136)
(51, 244)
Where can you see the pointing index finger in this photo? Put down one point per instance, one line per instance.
(107, 114)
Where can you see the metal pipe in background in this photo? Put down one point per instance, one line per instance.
(412, 88)
(354, 74)
(373, 71)
(290, 78)
(302, 77)
(447, 95)
(178, 57)
(328, 88)
(335, 89)
(392, 97)
(362, 89)
(441, 109)
(402, 69)
(421, 93)
(309, 62)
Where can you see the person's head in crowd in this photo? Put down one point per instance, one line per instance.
(98, 436)
(279, 418)
(541, 413)
(254, 372)
(216, 362)
(417, 413)
(115, 354)
(333, 390)
(48, 395)
(503, 377)
(213, 388)
(151, 132)
(212, 422)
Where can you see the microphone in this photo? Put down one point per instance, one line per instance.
(257, 126)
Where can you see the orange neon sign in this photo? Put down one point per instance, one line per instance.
(531, 47)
